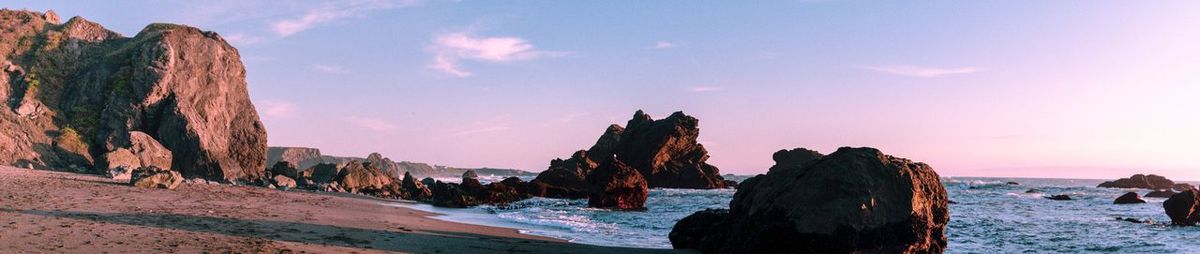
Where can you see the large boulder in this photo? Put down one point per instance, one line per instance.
(283, 182)
(177, 85)
(154, 177)
(143, 151)
(617, 186)
(853, 200)
(700, 230)
(1140, 181)
(1183, 208)
(285, 168)
(357, 177)
(1129, 198)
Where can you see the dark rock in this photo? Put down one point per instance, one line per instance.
(1129, 198)
(428, 181)
(449, 195)
(699, 230)
(1160, 194)
(415, 190)
(154, 177)
(285, 168)
(1140, 181)
(322, 173)
(666, 152)
(731, 184)
(1183, 208)
(1133, 220)
(786, 159)
(853, 200)
(470, 174)
(1012, 183)
(1033, 191)
(569, 175)
(1059, 197)
(1182, 187)
(615, 185)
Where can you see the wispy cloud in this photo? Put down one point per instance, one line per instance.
(332, 12)
(921, 71)
(494, 124)
(370, 123)
(276, 109)
(664, 45)
(450, 49)
(704, 89)
(331, 69)
(240, 39)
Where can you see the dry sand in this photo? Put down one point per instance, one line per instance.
(57, 212)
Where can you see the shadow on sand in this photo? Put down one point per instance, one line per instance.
(401, 240)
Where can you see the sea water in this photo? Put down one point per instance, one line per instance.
(989, 216)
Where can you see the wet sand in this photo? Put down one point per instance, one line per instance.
(58, 212)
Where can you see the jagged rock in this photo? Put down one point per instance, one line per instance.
(785, 159)
(1129, 198)
(1183, 208)
(1160, 194)
(853, 200)
(666, 152)
(1060, 197)
(569, 175)
(283, 182)
(414, 189)
(322, 173)
(615, 185)
(384, 164)
(1140, 181)
(154, 177)
(449, 195)
(181, 87)
(700, 230)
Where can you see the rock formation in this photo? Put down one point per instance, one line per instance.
(1129, 198)
(170, 86)
(853, 200)
(1183, 208)
(569, 175)
(298, 157)
(615, 185)
(414, 189)
(1140, 181)
(1160, 194)
(154, 177)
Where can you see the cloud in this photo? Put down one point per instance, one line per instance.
(370, 123)
(450, 49)
(332, 12)
(664, 45)
(276, 109)
(240, 39)
(704, 89)
(331, 69)
(921, 71)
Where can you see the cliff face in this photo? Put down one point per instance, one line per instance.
(74, 92)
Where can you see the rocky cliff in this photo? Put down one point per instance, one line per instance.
(304, 157)
(75, 92)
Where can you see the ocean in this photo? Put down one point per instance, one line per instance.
(989, 216)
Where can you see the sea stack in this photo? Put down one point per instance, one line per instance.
(1129, 198)
(853, 200)
(1140, 181)
(101, 100)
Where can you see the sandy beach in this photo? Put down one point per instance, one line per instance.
(58, 212)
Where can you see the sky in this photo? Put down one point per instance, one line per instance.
(1096, 89)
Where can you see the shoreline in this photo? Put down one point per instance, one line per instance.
(88, 211)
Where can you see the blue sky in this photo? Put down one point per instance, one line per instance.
(994, 88)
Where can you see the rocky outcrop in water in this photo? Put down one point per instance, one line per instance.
(1160, 194)
(569, 175)
(1140, 181)
(180, 87)
(1183, 208)
(617, 186)
(1129, 198)
(1060, 197)
(853, 200)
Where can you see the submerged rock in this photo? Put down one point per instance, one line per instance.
(1129, 198)
(1012, 183)
(1183, 208)
(154, 177)
(853, 200)
(1059, 197)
